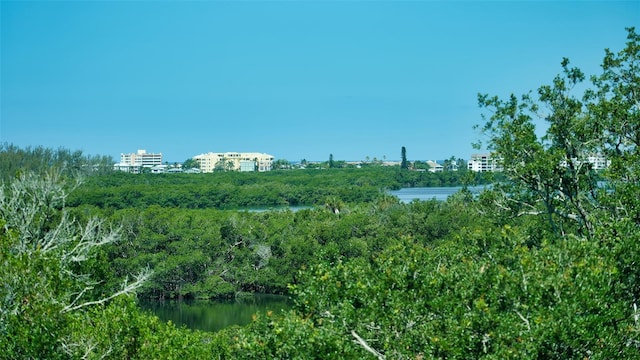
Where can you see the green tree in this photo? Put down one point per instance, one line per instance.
(281, 164)
(553, 175)
(14, 160)
(331, 163)
(613, 122)
(47, 268)
(190, 164)
(220, 165)
(404, 164)
(552, 170)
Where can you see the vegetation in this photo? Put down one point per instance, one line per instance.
(232, 190)
(543, 265)
(404, 164)
(15, 160)
(190, 164)
(53, 303)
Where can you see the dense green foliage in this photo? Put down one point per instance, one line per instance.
(241, 190)
(171, 224)
(543, 265)
(212, 253)
(15, 160)
(58, 299)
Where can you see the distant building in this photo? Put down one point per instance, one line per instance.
(391, 163)
(141, 158)
(484, 163)
(159, 169)
(247, 165)
(453, 165)
(487, 162)
(597, 161)
(134, 162)
(434, 166)
(234, 161)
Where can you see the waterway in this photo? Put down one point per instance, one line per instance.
(216, 315)
(276, 208)
(407, 195)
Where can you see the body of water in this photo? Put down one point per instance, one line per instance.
(216, 315)
(407, 195)
(277, 208)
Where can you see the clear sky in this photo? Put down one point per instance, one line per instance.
(298, 80)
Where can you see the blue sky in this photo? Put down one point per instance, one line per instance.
(298, 80)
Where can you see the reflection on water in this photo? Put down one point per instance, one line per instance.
(216, 315)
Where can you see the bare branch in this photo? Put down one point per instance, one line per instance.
(526, 322)
(127, 288)
(366, 346)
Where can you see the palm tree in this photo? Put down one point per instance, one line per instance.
(230, 165)
(334, 204)
(221, 165)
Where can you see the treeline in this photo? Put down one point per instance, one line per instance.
(231, 190)
(14, 159)
(218, 190)
(173, 224)
(210, 253)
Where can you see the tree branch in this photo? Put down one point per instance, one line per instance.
(140, 279)
(366, 346)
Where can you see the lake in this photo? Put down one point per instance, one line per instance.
(407, 195)
(216, 315)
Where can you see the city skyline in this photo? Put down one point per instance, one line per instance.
(298, 80)
(365, 159)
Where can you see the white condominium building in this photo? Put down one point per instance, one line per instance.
(484, 162)
(598, 161)
(133, 162)
(141, 158)
(234, 161)
(487, 162)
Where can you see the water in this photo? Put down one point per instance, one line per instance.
(277, 208)
(406, 195)
(216, 315)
